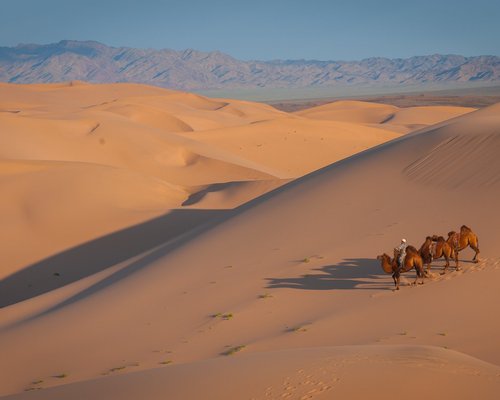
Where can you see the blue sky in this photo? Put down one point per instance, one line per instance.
(264, 30)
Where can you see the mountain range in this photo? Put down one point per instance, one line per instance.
(195, 70)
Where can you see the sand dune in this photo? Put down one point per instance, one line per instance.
(389, 117)
(341, 372)
(39, 199)
(294, 146)
(351, 111)
(287, 284)
(136, 131)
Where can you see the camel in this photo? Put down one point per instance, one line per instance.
(460, 240)
(412, 260)
(433, 248)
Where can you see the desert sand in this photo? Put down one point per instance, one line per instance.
(161, 244)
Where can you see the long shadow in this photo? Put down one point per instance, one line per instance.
(96, 255)
(352, 273)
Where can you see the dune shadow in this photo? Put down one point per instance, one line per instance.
(98, 254)
(352, 273)
(215, 187)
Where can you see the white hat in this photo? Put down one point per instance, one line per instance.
(403, 240)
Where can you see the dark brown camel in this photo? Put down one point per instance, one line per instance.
(412, 260)
(434, 248)
(461, 240)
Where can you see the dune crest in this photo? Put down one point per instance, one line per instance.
(384, 116)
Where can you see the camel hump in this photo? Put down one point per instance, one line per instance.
(451, 233)
(411, 249)
(465, 228)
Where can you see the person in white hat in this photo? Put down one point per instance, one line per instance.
(402, 252)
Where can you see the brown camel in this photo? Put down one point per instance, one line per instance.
(433, 248)
(460, 240)
(412, 260)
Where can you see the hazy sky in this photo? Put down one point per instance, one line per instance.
(264, 30)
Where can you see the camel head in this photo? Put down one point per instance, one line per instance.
(451, 233)
(435, 238)
(386, 263)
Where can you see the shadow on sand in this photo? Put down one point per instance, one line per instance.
(352, 273)
(96, 255)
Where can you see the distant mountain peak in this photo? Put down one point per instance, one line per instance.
(190, 69)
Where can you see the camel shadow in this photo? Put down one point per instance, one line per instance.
(164, 232)
(352, 273)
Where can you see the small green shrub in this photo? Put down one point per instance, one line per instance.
(233, 350)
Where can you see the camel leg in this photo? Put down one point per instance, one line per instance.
(416, 277)
(456, 260)
(447, 264)
(395, 277)
(428, 269)
(476, 256)
(447, 261)
(420, 273)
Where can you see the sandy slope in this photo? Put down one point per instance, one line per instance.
(326, 372)
(294, 146)
(292, 269)
(80, 161)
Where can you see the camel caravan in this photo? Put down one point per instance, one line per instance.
(407, 257)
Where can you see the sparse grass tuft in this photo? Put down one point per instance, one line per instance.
(265, 296)
(114, 369)
(165, 362)
(37, 382)
(225, 316)
(306, 260)
(298, 328)
(442, 333)
(233, 350)
(60, 376)
(404, 333)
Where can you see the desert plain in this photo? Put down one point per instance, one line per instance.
(161, 244)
